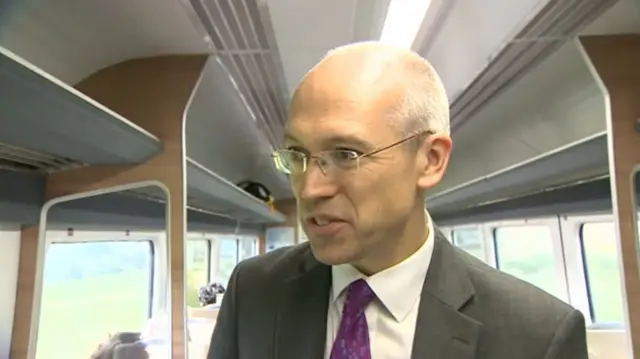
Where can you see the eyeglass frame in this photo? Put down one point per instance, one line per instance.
(357, 157)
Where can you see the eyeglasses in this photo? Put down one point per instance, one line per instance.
(294, 162)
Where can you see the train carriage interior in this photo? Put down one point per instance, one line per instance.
(127, 127)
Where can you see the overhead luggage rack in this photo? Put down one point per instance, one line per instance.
(44, 115)
(48, 126)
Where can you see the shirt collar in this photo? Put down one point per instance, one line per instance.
(406, 277)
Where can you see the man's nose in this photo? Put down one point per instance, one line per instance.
(316, 183)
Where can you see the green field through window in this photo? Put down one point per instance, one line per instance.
(602, 267)
(91, 290)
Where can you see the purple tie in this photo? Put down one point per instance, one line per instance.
(352, 341)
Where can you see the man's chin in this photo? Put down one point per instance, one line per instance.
(332, 255)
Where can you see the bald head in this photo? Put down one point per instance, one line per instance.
(352, 157)
(395, 80)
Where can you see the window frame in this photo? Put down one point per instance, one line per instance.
(150, 238)
(202, 238)
(483, 235)
(578, 277)
(62, 237)
(99, 236)
(197, 237)
(556, 241)
(218, 238)
(254, 243)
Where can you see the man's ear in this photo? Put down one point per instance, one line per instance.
(435, 151)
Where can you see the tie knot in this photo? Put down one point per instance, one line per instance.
(359, 295)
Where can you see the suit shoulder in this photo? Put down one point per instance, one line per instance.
(276, 264)
(512, 311)
(513, 302)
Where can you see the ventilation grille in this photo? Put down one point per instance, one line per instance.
(20, 159)
(557, 22)
(238, 32)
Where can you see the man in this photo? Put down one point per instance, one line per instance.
(367, 137)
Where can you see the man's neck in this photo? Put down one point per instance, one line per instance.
(409, 239)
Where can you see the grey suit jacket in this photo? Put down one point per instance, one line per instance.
(276, 308)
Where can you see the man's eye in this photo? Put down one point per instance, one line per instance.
(349, 150)
(296, 149)
(345, 155)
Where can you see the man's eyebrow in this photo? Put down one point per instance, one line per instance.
(332, 140)
(348, 140)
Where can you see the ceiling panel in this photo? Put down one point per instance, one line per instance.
(622, 18)
(470, 35)
(224, 137)
(306, 30)
(242, 36)
(71, 39)
(555, 104)
(46, 125)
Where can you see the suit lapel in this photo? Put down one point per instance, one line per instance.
(442, 331)
(301, 323)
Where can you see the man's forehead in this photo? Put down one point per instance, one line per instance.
(325, 101)
(364, 133)
(328, 129)
(355, 75)
(347, 95)
(349, 75)
(329, 137)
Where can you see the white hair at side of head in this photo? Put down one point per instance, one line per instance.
(425, 106)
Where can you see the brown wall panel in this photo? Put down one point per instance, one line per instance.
(24, 292)
(614, 61)
(153, 93)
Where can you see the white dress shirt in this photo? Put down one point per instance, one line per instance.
(392, 316)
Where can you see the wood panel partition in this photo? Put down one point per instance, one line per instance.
(25, 289)
(614, 62)
(155, 94)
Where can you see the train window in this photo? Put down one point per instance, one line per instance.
(92, 289)
(278, 237)
(526, 252)
(602, 270)
(470, 240)
(197, 266)
(248, 247)
(228, 259)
